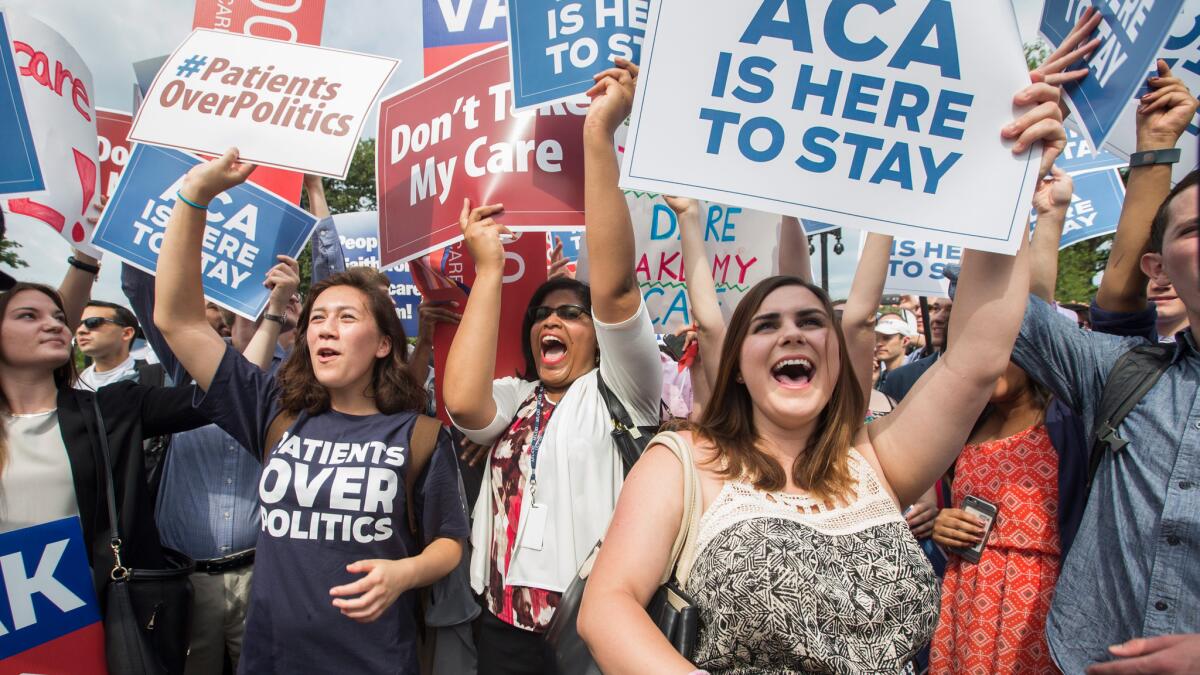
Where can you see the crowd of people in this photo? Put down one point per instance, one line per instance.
(990, 482)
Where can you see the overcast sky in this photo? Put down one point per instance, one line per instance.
(112, 34)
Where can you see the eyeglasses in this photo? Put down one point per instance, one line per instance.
(567, 312)
(94, 322)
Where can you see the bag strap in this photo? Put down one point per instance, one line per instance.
(275, 430)
(421, 444)
(1134, 375)
(680, 565)
(119, 571)
(622, 425)
(149, 374)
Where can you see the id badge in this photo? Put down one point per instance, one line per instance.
(535, 527)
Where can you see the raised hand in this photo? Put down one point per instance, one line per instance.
(1164, 113)
(1054, 192)
(1074, 47)
(612, 96)
(482, 235)
(1041, 122)
(682, 205)
(283, 279)
(559, 263)
(207, 180)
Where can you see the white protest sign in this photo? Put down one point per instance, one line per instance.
(57, 87)
(919, 267)
(282, 104)
(882, 116)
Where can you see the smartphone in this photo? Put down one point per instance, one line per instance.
(985, 511)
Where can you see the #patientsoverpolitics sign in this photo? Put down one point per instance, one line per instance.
(1131, 34)
(20, 173)
(556, 46)
(881, 116)
(49, 617)
(286, 105)
(247, 228)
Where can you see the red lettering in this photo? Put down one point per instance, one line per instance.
(38, 69)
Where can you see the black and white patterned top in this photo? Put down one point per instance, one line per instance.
(786, 584)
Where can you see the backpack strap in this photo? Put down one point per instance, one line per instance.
(275, 430)
(421, 444)
(149, 374)
(1134, 374)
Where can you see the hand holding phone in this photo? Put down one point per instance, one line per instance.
(986, 512)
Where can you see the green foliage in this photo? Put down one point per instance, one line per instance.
(357, 192)
(9, 255)
(1036, 53)
(1077, 268)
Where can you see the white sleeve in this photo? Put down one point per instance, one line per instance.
(507, 393)
(630, 365)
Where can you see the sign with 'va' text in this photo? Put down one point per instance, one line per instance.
(57, 87)
(282, 104)
(359, 233)
(455, 29)
(455, 136)
(49, 617)
(20, 173)
(880, 116)
(247, 228)
(1095, 207)
(556, 46)
(1131, 34)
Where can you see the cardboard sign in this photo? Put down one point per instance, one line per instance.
(20, 173)
(247, 228)
(359, 232)
(1182, 54)
(286, 20)
(455, 29)
(919, 267)
(113, 130)
(1079, 156)
(57, 87)
(1095, 207)
(453, 275)
(1131, 34)
(861, 122)
(556, 47)
(285, 105)
(453, 136)
(49, 617)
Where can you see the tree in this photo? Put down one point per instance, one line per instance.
(9, 256)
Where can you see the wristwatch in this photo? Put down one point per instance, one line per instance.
(277, 318)
(1151, 157)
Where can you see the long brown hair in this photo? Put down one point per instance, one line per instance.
(64, 375)
(392, 386)
(728, 419)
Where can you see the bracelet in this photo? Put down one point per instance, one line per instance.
(80, 265)
(1152, 157)
(185, 200)
(277, 318)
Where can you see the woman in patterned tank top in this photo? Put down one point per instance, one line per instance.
(802, 561)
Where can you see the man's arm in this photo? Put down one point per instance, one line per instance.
(1052, 200)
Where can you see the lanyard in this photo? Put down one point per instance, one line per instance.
(536, 443)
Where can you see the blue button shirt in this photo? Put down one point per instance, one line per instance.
(1134, 569)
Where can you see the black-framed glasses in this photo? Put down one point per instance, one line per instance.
(566, 312)
(95, 322)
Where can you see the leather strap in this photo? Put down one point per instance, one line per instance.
(421, 444)
(682, 553)
(119, 571)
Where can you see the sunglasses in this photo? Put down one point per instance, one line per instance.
(566, 312)
(95, 322)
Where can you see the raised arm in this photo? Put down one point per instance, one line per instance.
(609, 233)
(472, 358)
(858, 318)
(179, 306)
(328, 258)
(920, 440)
(1162, 118)
(1051, 201)
(282, 279)
(701, 290)
(429, 315)
(793, 255)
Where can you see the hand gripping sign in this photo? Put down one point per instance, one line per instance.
(454, 135)
(881, 116)
(1095, 207)
(247, 228)
(57, 88)
(49, 617)
(286, 105)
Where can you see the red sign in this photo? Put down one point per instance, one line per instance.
(288, 20)
(112, 127)
(454, 136)
(524, 271)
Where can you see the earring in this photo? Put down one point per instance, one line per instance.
(739, 379)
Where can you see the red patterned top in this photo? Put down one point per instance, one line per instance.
(527, 608)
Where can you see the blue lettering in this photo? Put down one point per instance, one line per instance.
(795, 29)
(861, 144)
(937, 18)
(655, 233)
(897, 108)
(722, 74)
(719, 119)
(856, 96)
(895, 167)
(943, 113)
(753, 71)
(727, 232)
(827, 156)
(805, 87)
(933, 170)
(773, 128)
(835, 30)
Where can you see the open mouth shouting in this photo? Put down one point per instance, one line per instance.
(793, 372)
(327, 355)
(554, 350)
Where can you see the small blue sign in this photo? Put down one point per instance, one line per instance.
(1095, 207)
(1077, 157)
(20, 172)
(247, 228)
(463, 22)
(47, 585)
(556, 47)
(359, 232)
(1131, 39)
